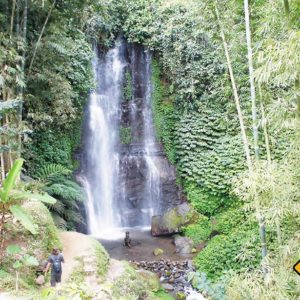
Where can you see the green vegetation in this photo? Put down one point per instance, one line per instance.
(101, 258)
(164, 115)
(38, 246)
(200, 231)
(56, 180)
(225, 80)
(133, 285)
(10, 204)
(230, 131)
(127, 89)
(125, 135)
(161, 295)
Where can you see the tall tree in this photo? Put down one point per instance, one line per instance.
(40, 36)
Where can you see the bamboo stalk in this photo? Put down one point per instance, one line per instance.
(235, 93)
(24, 34)
(251, 77)
(265, 130)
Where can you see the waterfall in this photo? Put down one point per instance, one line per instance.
(122, 181)
(101, 156)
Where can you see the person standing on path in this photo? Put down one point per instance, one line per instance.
(54, 261)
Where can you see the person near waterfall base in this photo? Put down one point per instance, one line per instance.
(127, 240)
(54, 261)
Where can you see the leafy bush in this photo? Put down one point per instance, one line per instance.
(164, 112)
(280, 283)
(48, 147)
(209, 151)
(205, 202)
(215, 291)
(240, 249)
(226, 221)
(199, 231)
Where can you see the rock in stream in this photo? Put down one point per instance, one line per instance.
(173, 275)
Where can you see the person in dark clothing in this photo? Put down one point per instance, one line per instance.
(54, 261)
(127, 240)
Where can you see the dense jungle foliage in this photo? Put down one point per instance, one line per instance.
(226, 109)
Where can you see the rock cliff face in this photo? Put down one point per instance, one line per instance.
(135, 180)
(147, 176)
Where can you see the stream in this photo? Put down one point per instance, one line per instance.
(171, 267)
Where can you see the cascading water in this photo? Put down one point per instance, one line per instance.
(153, 187)
(123, 181)
(101, 159)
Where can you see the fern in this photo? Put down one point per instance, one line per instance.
(73, 216)
(51, 171)
(64, 191)
(58, 207)
(57, 183)
(59, 221)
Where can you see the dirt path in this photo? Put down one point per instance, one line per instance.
(79, 245)
(74, 245)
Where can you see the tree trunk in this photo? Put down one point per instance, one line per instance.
(12, 18)
(235, 93)
(24, 34)
(251, 76)
(40, 36)
(25, 15)
(17, 17)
